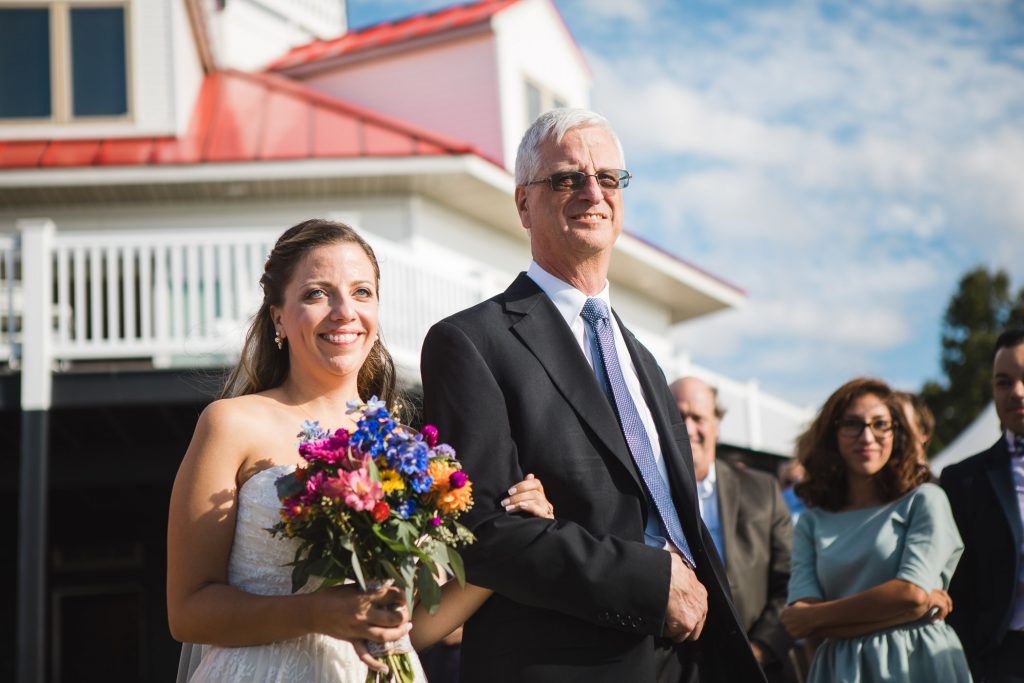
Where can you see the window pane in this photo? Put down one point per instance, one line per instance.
(24, 63)
(98, 62)
(532, 102)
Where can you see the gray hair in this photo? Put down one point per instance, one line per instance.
(554, 124)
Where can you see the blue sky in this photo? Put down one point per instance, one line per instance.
(844, 163)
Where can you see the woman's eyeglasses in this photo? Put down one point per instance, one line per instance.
(852, 428)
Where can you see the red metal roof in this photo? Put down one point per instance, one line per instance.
(245, 117)
(386, 33)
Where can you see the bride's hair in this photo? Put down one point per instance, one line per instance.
(261, 365)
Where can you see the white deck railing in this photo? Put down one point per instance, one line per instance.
(186, 297)
(9, 297)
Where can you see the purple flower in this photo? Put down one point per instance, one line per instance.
(332, 450)
(443, 450)
(429, 433)
(457, 479)
(435, 521)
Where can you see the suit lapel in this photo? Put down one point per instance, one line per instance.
(728, 505)
(1000, 476)
(543, 330)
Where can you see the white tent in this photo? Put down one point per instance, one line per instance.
(978, 436)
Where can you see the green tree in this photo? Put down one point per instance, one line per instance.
(982, 307)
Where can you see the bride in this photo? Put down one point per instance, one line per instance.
(312, 347)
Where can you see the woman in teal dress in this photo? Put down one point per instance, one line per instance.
(874, 552)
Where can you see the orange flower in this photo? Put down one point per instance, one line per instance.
(456, 500)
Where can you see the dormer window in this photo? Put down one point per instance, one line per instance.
(540, 100)
(63, 61)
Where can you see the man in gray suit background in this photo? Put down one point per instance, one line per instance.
(749, 523)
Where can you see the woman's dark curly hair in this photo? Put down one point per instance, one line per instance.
(817, 449)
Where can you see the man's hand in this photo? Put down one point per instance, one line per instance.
(687, 604)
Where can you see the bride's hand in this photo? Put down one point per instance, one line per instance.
(346, 613)
(528, 496)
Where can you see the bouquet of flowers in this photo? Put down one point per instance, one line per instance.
(378, 505)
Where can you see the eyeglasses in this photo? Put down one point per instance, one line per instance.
(852, 428)
(570, 181)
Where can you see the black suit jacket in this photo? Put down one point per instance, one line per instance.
(580, 598)
(757, 532)
(984, 503)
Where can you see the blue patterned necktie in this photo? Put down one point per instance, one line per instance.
(1017, 450)
(595, 313)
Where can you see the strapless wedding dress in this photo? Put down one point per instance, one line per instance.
(258, 565)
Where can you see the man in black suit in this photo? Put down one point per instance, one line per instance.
(986, 493)
(749, 522)
(625, 584)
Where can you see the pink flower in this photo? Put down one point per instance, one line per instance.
(355, 488)
(429, 433)
(333, 450)
(457, 479)
(435, 521)
(314, 487)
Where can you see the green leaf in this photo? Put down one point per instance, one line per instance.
(288, 486)
(407, 533)
(455, 564)
(440, 553)
(358, 569)
(430, 591)
(300, 575)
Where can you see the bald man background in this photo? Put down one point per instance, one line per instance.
(749, 523)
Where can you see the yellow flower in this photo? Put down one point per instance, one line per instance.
(391, 480)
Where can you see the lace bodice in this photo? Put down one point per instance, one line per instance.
(259, 560)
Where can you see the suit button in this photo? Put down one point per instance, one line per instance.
(606, 616)
(623, 621)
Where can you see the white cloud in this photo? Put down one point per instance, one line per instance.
(843, 163)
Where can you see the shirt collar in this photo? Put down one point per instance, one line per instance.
(706, 486)
(567, 299)
(1015, 443)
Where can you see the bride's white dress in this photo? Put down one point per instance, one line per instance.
(257, 565)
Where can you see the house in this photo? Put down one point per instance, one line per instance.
(150, 153)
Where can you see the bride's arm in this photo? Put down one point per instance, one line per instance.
(459, 604)
(201, 606)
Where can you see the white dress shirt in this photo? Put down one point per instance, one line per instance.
(569, 301)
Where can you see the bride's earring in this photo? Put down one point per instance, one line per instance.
(279, 340)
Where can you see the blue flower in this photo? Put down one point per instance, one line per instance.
(406, 508)
(410, 457)
(311, 431)
(375, 409)
(422, 483)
